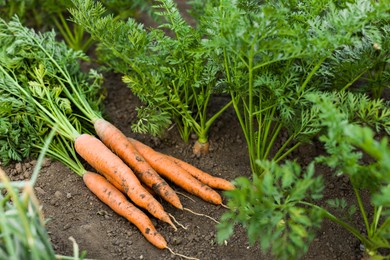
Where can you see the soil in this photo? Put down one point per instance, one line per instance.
(72, 210)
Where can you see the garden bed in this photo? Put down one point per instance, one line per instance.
(73, 211)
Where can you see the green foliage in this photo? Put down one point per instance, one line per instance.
(35, 68)
(346, 143)
(273, 53)
(15, 138)
(363, 66)
(18, 7)
(263, 205)
(57, 12)
(270, 209)
(165, 67)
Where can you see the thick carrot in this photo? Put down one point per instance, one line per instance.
(209, 180)
(113, 138)
(113, 198)
(119, 174)
(176, 174)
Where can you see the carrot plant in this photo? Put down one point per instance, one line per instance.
(38, 12)
(362, 67)
(281, 210)
(28, 65)
(44, 76)
(272, 54)
(165, 67)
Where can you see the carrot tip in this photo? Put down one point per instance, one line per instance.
(202, 215)
(183, 256)
(169, 221)
(225, 206)
(177, 222)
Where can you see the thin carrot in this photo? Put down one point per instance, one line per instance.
(113, 138)
(212, 181)
(176, 174)
(113, 198)
(119, 174)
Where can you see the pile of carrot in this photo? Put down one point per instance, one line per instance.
(44, 74)
(129, 167)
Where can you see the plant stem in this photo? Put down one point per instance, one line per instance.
(44, 149)
(375, 221)
(65, 31)
(23, 217)
(216, 115)
(351, 82)
(311, 74)
(281, 157)
(345, 225)
(6, 233)
(275, 134)
(361, 207)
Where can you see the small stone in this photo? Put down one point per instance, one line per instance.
(18, 167)
(177, 241)
(46, 162)
(67, 226)
(33, 163)
(68, 195)
(26, 175)
(53, 202)
(39, 190)
(58, 194)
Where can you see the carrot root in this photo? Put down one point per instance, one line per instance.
(119, 174)
(212, 181)
(177, 222)
(202, 215)
(180, 255)
(200, 149)
(176, 174)
(113, 138)
(117, 201)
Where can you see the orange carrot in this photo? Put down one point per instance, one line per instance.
(209, 180)
(113, 198)
(119, 174)
(200, 149)
(113, 138)
(176, 174)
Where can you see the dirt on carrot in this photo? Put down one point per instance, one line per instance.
(176, 174)
(113, 138)
(209, 180)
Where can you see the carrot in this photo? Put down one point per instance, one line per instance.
(176, 174)
(113, 138)
(113, 198)
(200, 148)
(119, 174)
(209, 180)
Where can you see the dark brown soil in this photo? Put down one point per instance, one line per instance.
(73, 211)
